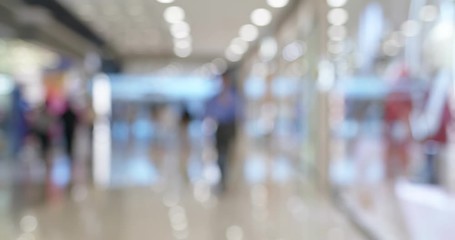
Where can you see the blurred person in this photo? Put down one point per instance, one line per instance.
(398, 106)
(69, 120)
(41, 124)
(430, 125)
(185, 143)
(222, 109)
(18, 121)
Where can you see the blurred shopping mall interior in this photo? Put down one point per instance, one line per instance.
(227, 120)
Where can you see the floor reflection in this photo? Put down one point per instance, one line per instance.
(167, 191)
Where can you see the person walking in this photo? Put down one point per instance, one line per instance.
(222, 109)
(69, 121)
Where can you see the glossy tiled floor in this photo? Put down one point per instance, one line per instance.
(267, 198)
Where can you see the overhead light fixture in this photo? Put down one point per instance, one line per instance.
(337, 33)
(338, 16)
(268, 49)
(181, 35)
(294, 50)
(180, 30)
(249, 32)
(336, 3)
(232, 57)
(261, 17)
(182, 52)
(165, 1)
(174, 14)
(182, 43)
(277, 3)
(410, 28)
(238, 46)
(336, 48)
(429, 13)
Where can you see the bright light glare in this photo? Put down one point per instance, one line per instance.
(7, 85)
(249, 32)
(337, 33)
(338, 16)
(293, 51)
(410, 28)
(277, 3)
(182, 52)
(429, 13)
(165, 1)
(180, 30)
(238, 46)
(174, 14)
(268, 49)
(182, 43)
(102, 95)
(180, 35)
(261, 17)
(28, 224)
(336, 47)
(102, 152)
(336, 3)
(230, 56)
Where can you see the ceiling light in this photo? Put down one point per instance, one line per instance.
(180, 30)
(429, 13)
(249, 33)
(232, 57)
(182, 43)
(277, 3)
(174, 14)
(293, 51)
(180, 27)
(165, 1)
(261, 17)
(338, 16)
(336, 3)
(182, 52)
(337, 33)
(336, 47)
(410, 28)
(238, 46)
(268, 49)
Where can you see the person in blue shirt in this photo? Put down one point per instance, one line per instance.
(222, 108)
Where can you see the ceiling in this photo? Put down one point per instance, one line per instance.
(138, 28)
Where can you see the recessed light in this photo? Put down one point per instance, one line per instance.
(232, 57)
(338, 16)
(238, 46)
(249, 32)
(180, 30)
(183, 52)
(174, 14)
(261, 17)
(165, 1)
(336, 3)
(182, 43)
(277, 3)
